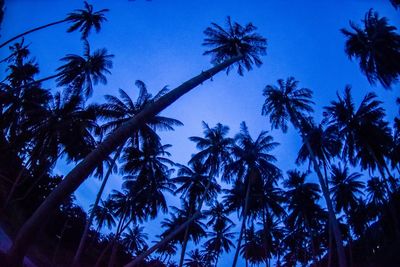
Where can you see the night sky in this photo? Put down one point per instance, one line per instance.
(159, 42)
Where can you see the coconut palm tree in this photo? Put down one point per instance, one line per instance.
(81, 72)
(377, 47)
(104, 214)
(196, 187)
(134, 239)
(346, 187)
(117, 111)
(196, 259)
(251, 163)
(220, 241)
(81, 19)
(214, 148)
(178, 217)
(304, 211)
(253, 248)
(218, 216)
(286, 103)
(72, 180)
(367, 137)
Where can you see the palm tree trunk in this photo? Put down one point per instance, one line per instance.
(330, 245)
(30, 189)
(77, 175)
(15, 184)
(64, 228)
(325, 192)
(32, 30)
(184, 245)
(246, 204)
(75, 262)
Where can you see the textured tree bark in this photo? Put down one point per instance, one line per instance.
(77, 175)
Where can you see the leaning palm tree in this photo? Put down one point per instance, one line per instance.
(251, 163)
(81, 19)
(377, 47)
(250, 45)
(286, 103)
(115, 112)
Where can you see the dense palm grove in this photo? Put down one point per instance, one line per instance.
(350, 217)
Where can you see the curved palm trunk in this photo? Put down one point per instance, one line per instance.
(75, 262)
(32, 30)
(246, 204)
(325, 192)
(77, 176)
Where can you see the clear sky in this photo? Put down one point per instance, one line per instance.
(159, 42)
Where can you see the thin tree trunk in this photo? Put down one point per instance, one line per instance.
(27, 193)
(32, 30)
(16, 183)
(77, 175)
(75, 262)
(64, 228)
(184, 245)
(246, 204)
(325, 193)
(330, 245)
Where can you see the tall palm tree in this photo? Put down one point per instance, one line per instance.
(81, 19)
(377, 47)
(117, 111)
(218, 216)
(104, 214)
(304, 211)
(196, 187)
(196, 259)
(134, 239)
(178, 217)
(286, 103)
(72, 180)
(81, 72)
(220, 240)
(251, 164)
(214, 148)
(253, 250)
(345, 188)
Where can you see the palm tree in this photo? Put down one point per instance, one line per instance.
(81, 72)
(304, 212)
(117, 111)
(220, 241)
(345, 188)
(196, 187)
(395, 3)
(196, 259)
(72, 180)
(233, 41)
(214, 148)
(253, 248)
(251, 163)
(367, 137)
(134, 239)
(195, 230)
(377, 47)
(286, 103)
(104, 214)
(218, 216)
(82, 19)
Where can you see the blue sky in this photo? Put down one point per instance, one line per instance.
(159, 42)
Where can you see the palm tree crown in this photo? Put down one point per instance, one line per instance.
(235, 40)
(377, 47)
